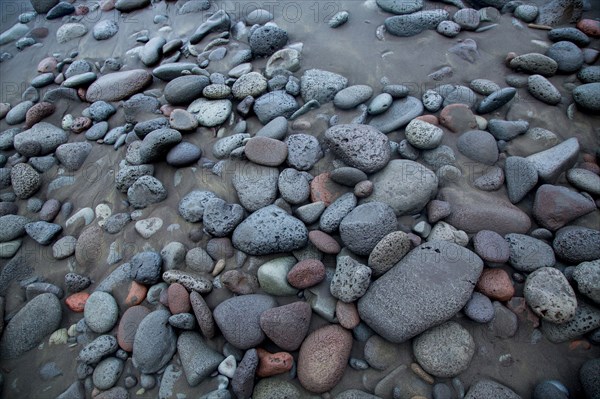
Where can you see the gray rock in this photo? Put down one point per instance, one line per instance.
(190, 7)
(130, 5)
(351, 279)
(101, 312)
(423, 135)
(105, 29)
(573, 35)
(490, 389)
(242, 313)
(534, 63)
(586, 319)
(507, 130)
(78, 67)
(587, 277)
(256, 185)
(589, 74)
(484, 86)
(221, 218)
(107, 373)
(363, 227)
(128, 174)
(400, 113)
(496, 100)
(43, 138)
(359, 146)
(548, 390)
(400, 6)
(528, 254)
(258, 16)
(152, 51)
(97, 131)
(276, 129)
(380, 104)
(26, 181)
(170, 71)
(70, 31)
(242, 382)
(405, 186)
(100, 347)
(43, 6)
(521, 176)
(432, 100)
(225, 146)
(42, 232)
(100, 111)
(18, 113)
(310, 213)
(183, 321)
(448, 28)
(576, 244)
(13, 33)
(75, 391)
(587, 97)
(304, 151)
(274, 104)
(584, 180)
(467, 18)
(266, 40)
(118, 85)
(251, 84)
(270, 230)
(567, 55)
(154, 343)
(273, 388)
(588, 375)
(526, 12)
(478, 145)
(541, 88)
(156, 144)
(272, 276)
(146, 267)
(550, 296)
(479, 308)
(76, 282)
(197, 359)
(332, 216)
(37, 319)
(73, 155)
(197, 259)
(316, 84)
(421, 282)
(146, 191)
(352, 96)
(551, 163)
(185, 89)
(415, 23)
(183, 154)
(191, 207)
(445, 350)
(293, 186)
(348, 176)
(42, 80)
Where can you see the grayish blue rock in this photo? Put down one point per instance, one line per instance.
(155, 342)
(363, 227)
(398, 115)
(197, 359)
(320, 85)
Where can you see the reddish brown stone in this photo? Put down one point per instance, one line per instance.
(81, 93)
(590, 27)
(136, 295)
(270, 364)
(39, 32)
(592, 167)
(48, 64)
(322, 188)
(495, 284)
(347, 314)
(306, 273)
(363, 189)
(287, 325)
(555, 206)
(179, 299)
(458, 118)
(38, 112)
(429, 119)
(587, 157)
(509, 57)
(4, 108)
(81, 124)
(324, 242)
(240, 282)
(76, 302)
(203, 315)
(519, 306)
(128, 326)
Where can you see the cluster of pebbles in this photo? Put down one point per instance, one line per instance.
(320, 251)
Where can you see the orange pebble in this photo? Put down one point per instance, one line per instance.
(580, 344)
(137, 294)
(76, 302)
(273, 363)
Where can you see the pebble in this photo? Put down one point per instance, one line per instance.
(400, 6)
(323, 358)
(528, 254)
(380, 104)
(324, 242)
(588, 375)
(586, 319)
(266, 151)
(351, 279)
(306, 273)
(320, 85)
(272, 276)
(221, 218)
(586, 97)
(496, 100)
(415, 23)
(42, 232)
(256, 185)
(274, 104)
(359, 146)
(496, 284)
(30, 325)
(18, 113)
(556, 206)
(244, 311)
(266, 40)
(293, 186)
(567, 55)
(191, 206)
(423, 135)
(203, 315)
(271, 388)
(444, 351)
(448, 28)
(521, 176)
(146, 267)
(101, 312)
(73, 155)
(379, 353)
(487, 389)
(586, 274)
(128, 325)
(364, 226)
(242, 382)
(550, 296)
(185, 89)
(250, 84)
(146, 191)
(389, 251)
(70, 31)
(467, 18)
(347, 315)
(534, 63)
(526, 12)
(541, 88)
(491, 247)
(210, 113)
(107, 373)
(352, 96)
(276, 129)
(105, 29)
(154, 343)
(435, 302)
(590, 74)
(576, 244)
(26, 181)
(183, 154)
(432, 101)
(571, 34)
(507, 130)
(479, 308)
(198, 359)
(118, 85)
(399, 114)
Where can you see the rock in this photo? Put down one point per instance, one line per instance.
(100, 347)
(43, 6)
(400, 6)
(183, 154)
(467, 18)
(118, 85)
(185, 89)
(274, 104)
(271, 364)
(423, 135)
(272, 276)
(526, 12)
(197, 359)
(405, 186)
(107, 373)
(586, 97)
(567, 55)
(306, 273)
(359, 146)
(42, 232)
(101, 312)
(478, 145)
(303, 151)
(534, 63)
(491, 247)
(152, 51)
(528, 254)
(550, 296)
(243, 312)
(445, 350)
(286, 325)
(414, 23)
(203, 315)
(479, 308)
(266, 40)
(154, 343)
(448, 28)
(587, 275)
(256, 235)
(146, 191)
(490, 389)
(541, 88)
(584, 180)
(352, 96)
(590, 74)
(191, 207)
(73, 155)
(351, 279)
(422, 273)
(323, 358)
(551, 163)
(389, 251)
(242, 382)
(128, 325)
(105, 29)
(332, 216)
(256, 185)
(521, 176)
(576, 244)
(496, 284)
(25, 180)
(89, 248)
(586, 319)
(496, 100)
(18, 113)
(38, 112)
(363, 227)
(43, 138)
(588, 375)
(293, 186)
(221, 218)
(131, 5)
(210, 113)
(573, 35)
(13, 226)
(400, 113)
(379, 353)
(113, 393)
(316, 84)
(556, 206)
(271, 388)
(30, 325)
(250, 84)
(266, 151)
(70, 31)
(240, 282)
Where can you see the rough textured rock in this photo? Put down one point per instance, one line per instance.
(555, 206)
(528, 254)
(576, 244)
(366, 225)
(197, 358)
(360, 146)
(587, 277)
(433, 282)
(316, 84)
(550, 296)
(490, 389)
(287, 325)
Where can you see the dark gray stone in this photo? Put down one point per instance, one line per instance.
(242, 382)
(576, 244)
(274, 104)
(366, 225)
(567, 55)
(360, 146)
(415, 23)
(42, 232)
(191, 207)
(478, 145)
(185, 89)
(100, 347)
(521, 176)
(496, 100)
(573, 35)
(265, 40)
(490, 389)
(587, 97)
(332, 216)
(197, 358)
(146, 190)
(400, 113)
(73, 155)
(43, 138)
(221, 218)
(146, 267)
(155, 342)
(507, 130)
(528, 254)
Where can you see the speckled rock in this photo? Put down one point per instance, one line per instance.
(363, 227)
(550, 296)
(415, 23)
(191, 206)
(534, 63)
(478, 145)
(352, 96)
(587, 276)
(316, 84)
(274, 104)
(304, 151)
(490, 389)
(576, 244)
(528, 254)
(359, 146)
(423, 135)
(256, 185)
(541, 88)
(26, 181)
(399, 114)
(43, 138)
(586, 97)
(266, 40)
(389, 251)
(351, 279)
(198, 359)
(146, 191)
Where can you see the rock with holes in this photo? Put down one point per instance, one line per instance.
(360, 146)
(550, 296)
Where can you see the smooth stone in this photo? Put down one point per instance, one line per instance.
(521, 177)
(479, 146)
(185, 89)
(359, 146)
(191, 206)
(528, 254)
(584, 180)
(550, 296)
(306, 273)
(183, 154)
(320, 85)
(432, 100)
(105, 29)
(246, 310)
(414, 23)
(70, 31)
(364, 226)
(276, 129)
(541, 88)
(198, 359)
(556, 206)
(130, 5)
(526, 12)
(154, 343)
(338, 19)
(417, 276)
(41, 139)
(225, 146)
(118, 85)
(400, 113)
(331, 218)
(551, 163)
(586, 97)
(467, 18)
(448, 28)
(352, 96)
(73, 155)
(567, 55)
(417, 183)
(271, 388)
(496, 100)
(100, 347)
(18, 113)
(274, 104)
(423, 135)
(586, 275)
(256, 185)
(172, 70)
(242, 382)
(380, 104)
(272, 276)
(479, 308)
(389, 251)
(589, 74)
(266, 151)
(573, 35)
(101, 312)
(152, 51)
